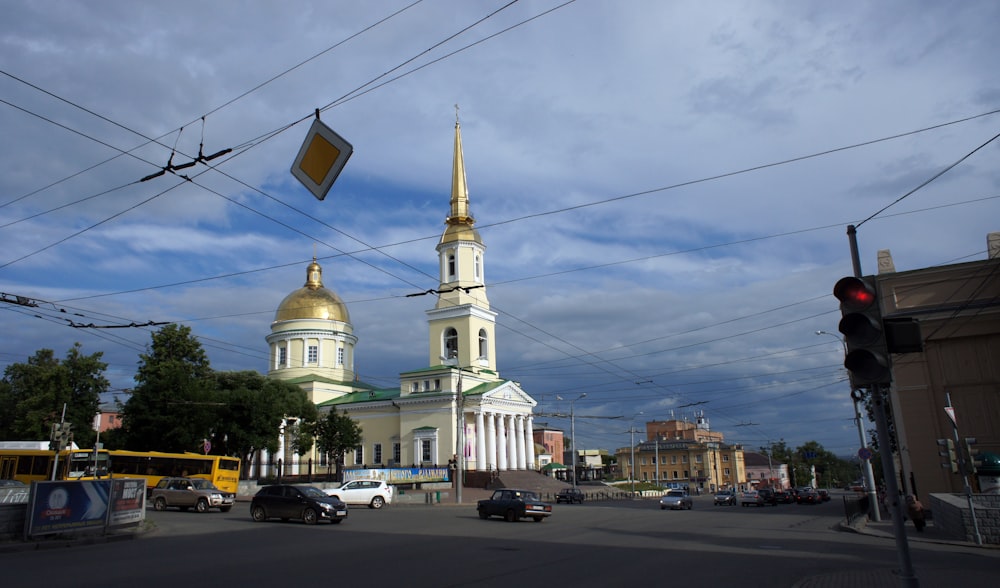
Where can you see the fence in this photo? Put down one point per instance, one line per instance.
(855, 508)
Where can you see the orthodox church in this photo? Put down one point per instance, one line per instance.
(458, 404)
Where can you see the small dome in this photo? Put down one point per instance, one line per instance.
(312, 301)
(460, 232)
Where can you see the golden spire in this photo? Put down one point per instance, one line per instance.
(459, 186)
(314, 275)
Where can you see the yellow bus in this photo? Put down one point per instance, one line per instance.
(222, 471)
(35, 465)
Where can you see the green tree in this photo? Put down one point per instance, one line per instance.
(335, 434)
(174, 405)
(32, 395)
(252, 412)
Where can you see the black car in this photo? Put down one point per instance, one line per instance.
(768, 496)
(570, 495)
(284, 501)
(513, 505)
(808, 496)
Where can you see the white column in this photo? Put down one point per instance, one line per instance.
(305, 351)
(511, 443)
(501, 444)
(519, 437)
(529, 439)
(491, 441)
(480, 443)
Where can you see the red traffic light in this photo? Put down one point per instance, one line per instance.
(853, 293)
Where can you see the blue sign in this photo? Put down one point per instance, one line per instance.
(59, 507)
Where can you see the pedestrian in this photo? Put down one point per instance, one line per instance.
(915, 511)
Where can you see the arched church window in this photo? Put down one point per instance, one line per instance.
(479, 268)
(484, 348)
(450, 342)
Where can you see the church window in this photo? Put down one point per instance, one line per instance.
(340, 356)
(397, 455)
(359, 455)
(313, 354)
(415, 387)
(425, 450)
(437, 383)
(282, 356)
(450, 343)
(451, 267)
(479, 268)
(484, 349)
(377, 453)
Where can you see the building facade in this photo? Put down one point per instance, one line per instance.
(456, 406)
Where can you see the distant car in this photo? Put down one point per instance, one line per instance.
(185, 493)
(808, 496)
(676, 500)
(725, 498)
(370, 493)
(513, 505)
(824, 494)
(768, 495)
(784, 497)
(570, 495)
(285, 502)
(751, 498)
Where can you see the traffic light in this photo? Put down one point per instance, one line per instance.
(970, 456)
(867, 359)
(948, 451)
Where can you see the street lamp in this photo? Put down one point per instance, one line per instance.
(873, 509)
(572, 431)
(631, 430)
(460, 437)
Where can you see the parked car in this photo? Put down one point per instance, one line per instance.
(725, 498)
(185, 493)
(784, 497)
(808, 496)
(824, 494)
(751, 498)
(370, 493)
(675, 500)
(285, 502)
(570, 495)
(513, 505)
(768, 496)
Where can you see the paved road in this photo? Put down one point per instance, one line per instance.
(595, 544)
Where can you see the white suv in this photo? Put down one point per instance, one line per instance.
(371, 493)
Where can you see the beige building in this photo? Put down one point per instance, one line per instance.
(958, 307)
(681, 453)
(459, 394)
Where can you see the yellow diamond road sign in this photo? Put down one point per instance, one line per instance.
(321, 158)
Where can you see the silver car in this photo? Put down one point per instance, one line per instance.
(186, 493)
(676, 500)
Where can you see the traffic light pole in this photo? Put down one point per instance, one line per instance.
(964, 467)
(907, 578)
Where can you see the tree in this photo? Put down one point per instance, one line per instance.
(335, 434)
(33, 394)
(252, 411)
(173, 406)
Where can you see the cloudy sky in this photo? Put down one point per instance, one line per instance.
(663, 187)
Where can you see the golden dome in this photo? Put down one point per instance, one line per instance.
(312, 301)
(461, 232)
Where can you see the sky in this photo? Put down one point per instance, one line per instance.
(663, 188)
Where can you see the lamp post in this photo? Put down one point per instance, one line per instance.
(460, 437)
(873, 509)
(631, 431)
(572, 432)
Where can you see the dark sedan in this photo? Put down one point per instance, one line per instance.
(513, 505)
(285, 502)
(570, 495)
(808, 496)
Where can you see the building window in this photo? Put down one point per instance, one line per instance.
(687, 474)
(673, 459)
(437, 383)
(663, 460)
(697, 458)
(675, 475)
(725, 471)
(484, 348)
(642, 460)
(425, 450)
(377, 453)
(313, 354)
(450, 343)
(479, 270)
(340, 356)
(451, 267)
(684, 459)
(396, 453)
(282, 355)
(359, 455)
(725, 459)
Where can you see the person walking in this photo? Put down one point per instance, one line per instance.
(915, 511)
